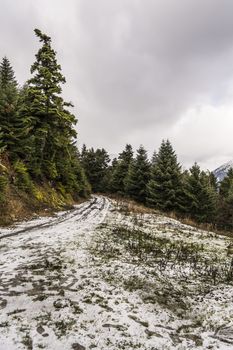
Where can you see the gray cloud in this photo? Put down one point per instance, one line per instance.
(136, 68)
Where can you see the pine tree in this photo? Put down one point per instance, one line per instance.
(164, 187)
(201, 196)
(53, 124)
(111, 171)
(9, 120)
(95, 164)
(138, 176)
(209, 200)
(15, 127)
(7, 75)
(121, 170)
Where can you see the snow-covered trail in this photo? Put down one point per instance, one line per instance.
(36, 259)
(97, 206)
(47, 238)
(94, 278)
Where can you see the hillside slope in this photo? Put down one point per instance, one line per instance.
(22, 198)
(107, 275)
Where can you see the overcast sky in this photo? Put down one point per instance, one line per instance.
(137, 71)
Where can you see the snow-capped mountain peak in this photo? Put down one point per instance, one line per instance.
(222, 171)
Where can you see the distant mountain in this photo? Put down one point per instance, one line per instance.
(221, 172)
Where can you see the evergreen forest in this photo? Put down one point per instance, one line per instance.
(160, 183)
(40, 164)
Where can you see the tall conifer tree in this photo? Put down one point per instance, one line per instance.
(164, 187)
(120, 170)
(14, 127)
(7, 75)
(95, 164)
(138, 176)
(53, 124)
(201, 196)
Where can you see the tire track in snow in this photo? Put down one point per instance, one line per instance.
(80, 214)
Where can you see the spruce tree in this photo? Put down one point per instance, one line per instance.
(53, 125)
(111, 170)
(13, 127)
(120, 170)
(209, 199)
(138, 176)
(201, 196)
(95, 164)
(164, 187)
(7, 75)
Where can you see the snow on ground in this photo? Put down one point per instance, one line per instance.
(101, 277)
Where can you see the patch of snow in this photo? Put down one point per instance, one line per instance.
(67, 283)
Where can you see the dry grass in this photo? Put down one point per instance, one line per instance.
(201, 226)
(12, 208)
(131, 206)
(19, 205)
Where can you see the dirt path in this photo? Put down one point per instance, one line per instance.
(38, 266)
(101, 277)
